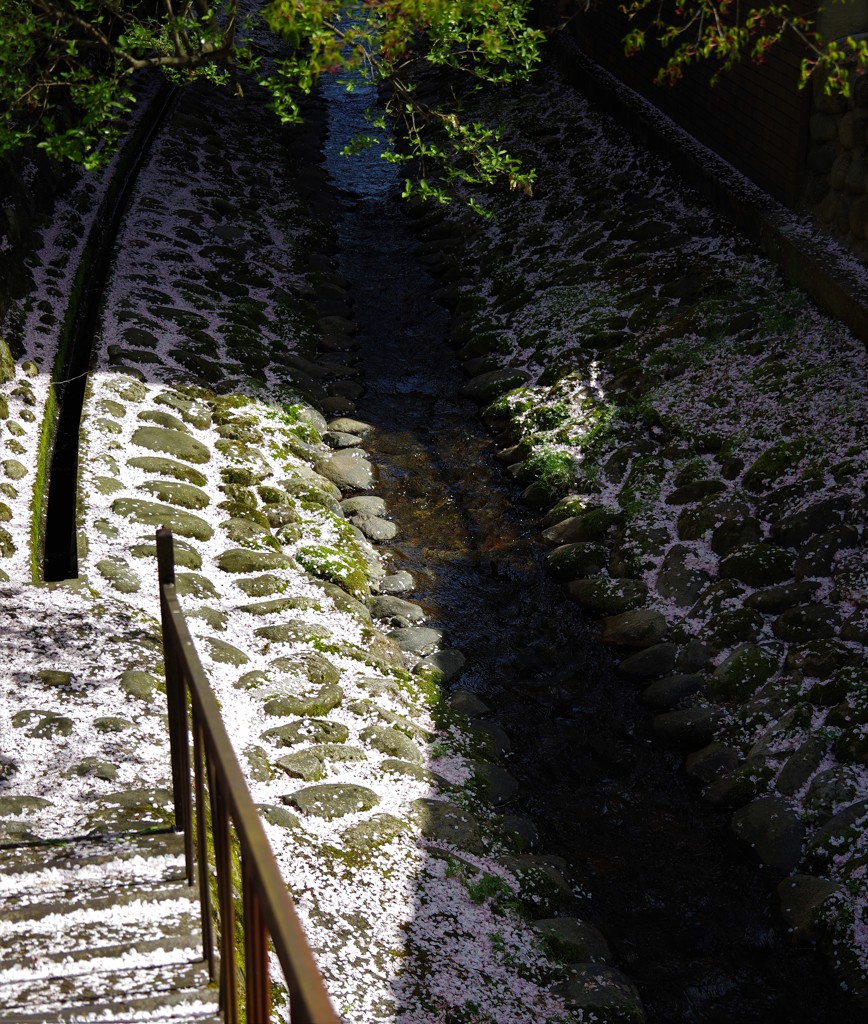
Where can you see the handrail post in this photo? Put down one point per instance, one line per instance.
(176, 697)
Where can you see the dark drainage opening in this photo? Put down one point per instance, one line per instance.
(60, 546)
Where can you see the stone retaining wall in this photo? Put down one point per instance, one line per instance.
(837, 187)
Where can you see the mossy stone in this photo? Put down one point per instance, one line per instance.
(45, 724)
(225, 653)
(332, 800)
(378, 830)
(150, 513)
(774, 600)
(7, 544)
(194, 413)
(571, 561)
(94, 767)
(573, 941)
(139, 684)
(597, 993)
(107, 485)
(680, 580)
(650, 662)
(803, 900)
(742, 784)
(216, 619)
(774, 829)
(178, 444)
(251, 534)
(174, 492)
(168, 467)
(54, 678)
(307, 730)
(242, 476)
(324, 700)
(590, 525)
(13, 469)
(758, 565)
(120, 575)
(239, 494)
(743, 672)
(311, 764)
(7, 362)
(17, 805)
(542, 885)
(694, 490)
(282, 604)
(280, 817)
(411, 770)
(694, 523)
(807, 622)
(317, 668)
(837, 839)
(447, 822)
(293, 632)
(112, 723)
(336, 566)
(735, 533)
(690, 727)
(731, 626)
(185, 556)
(132, 810)
(486, 387)
(391, 742)
(195, 585)
(250, 458)
(162, 419)
(262, 586)
(774, 464)
(602, 595)
(345, 602)
(240, 560)
(824, 658)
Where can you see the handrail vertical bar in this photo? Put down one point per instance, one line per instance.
(202, 848)
(226, 902)
(256, 978)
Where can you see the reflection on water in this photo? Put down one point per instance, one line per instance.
(683, 906)
(366, 175)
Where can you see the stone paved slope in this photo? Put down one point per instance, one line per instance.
(224, 333)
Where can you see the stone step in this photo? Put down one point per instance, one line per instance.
(182, 946)
(194, 1007)
(102, 981)
(73, 886)
(90, 852)
(125, 918)
(102, 900)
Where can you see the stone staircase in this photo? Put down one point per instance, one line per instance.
(101, 929)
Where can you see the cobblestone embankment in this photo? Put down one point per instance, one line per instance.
(691, 430)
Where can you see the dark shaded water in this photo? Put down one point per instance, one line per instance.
(683, 905)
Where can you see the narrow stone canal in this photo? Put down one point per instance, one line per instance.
(682, 904)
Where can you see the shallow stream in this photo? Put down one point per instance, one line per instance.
(683, 905)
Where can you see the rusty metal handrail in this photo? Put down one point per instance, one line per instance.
(267, 909)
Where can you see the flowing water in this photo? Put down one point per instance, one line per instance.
(685, 908)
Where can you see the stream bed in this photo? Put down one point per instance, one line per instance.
(683, 905)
